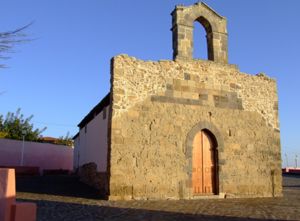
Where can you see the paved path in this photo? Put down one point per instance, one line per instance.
(73, 207)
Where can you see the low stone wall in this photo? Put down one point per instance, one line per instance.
(88, 174)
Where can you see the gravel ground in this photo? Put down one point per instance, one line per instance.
(64, 198)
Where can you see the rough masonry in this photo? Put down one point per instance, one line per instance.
(157, 108)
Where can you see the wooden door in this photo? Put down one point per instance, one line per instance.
(203, 175)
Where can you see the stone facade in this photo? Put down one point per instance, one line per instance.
(157, 108)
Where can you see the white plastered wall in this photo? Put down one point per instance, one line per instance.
(92, 142)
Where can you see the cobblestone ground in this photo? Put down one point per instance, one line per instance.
(61, 205)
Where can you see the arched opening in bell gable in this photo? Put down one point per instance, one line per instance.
(199, 42)
(202, 39)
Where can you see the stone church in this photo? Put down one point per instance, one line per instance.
(188, 128)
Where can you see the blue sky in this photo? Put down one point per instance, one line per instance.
(64, 72)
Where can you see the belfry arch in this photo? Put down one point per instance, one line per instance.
(183, 19)
(208, 31)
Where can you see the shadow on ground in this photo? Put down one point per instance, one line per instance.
(67, 199)
(69, 185)
(293, 180)
(59, 185)
(59, 211)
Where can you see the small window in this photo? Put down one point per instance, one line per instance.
(104, 113)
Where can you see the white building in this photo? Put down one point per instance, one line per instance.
(90, 143)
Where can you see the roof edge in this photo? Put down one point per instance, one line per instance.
(211, 9)
(95, 111)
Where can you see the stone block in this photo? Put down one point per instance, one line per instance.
(133, 114)
(186, 95)
(177, 94)
(117, 132)
(169, 87)
(118, 139)
(119, 91)
(185, 89)
(203, 97)
(169, 93)
(235, 86)
(194, 96)
(275, 107)
(187, 76)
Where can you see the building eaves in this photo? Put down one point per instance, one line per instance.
(95, 111)
(76, 135)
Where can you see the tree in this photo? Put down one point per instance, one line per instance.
(66, 140)
(9, 39)
(14, 126)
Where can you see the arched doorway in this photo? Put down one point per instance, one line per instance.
(204, 164)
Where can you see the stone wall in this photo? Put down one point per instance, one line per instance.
(157, 107)
(89, 175)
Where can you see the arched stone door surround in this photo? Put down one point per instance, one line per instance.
(216, 141)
